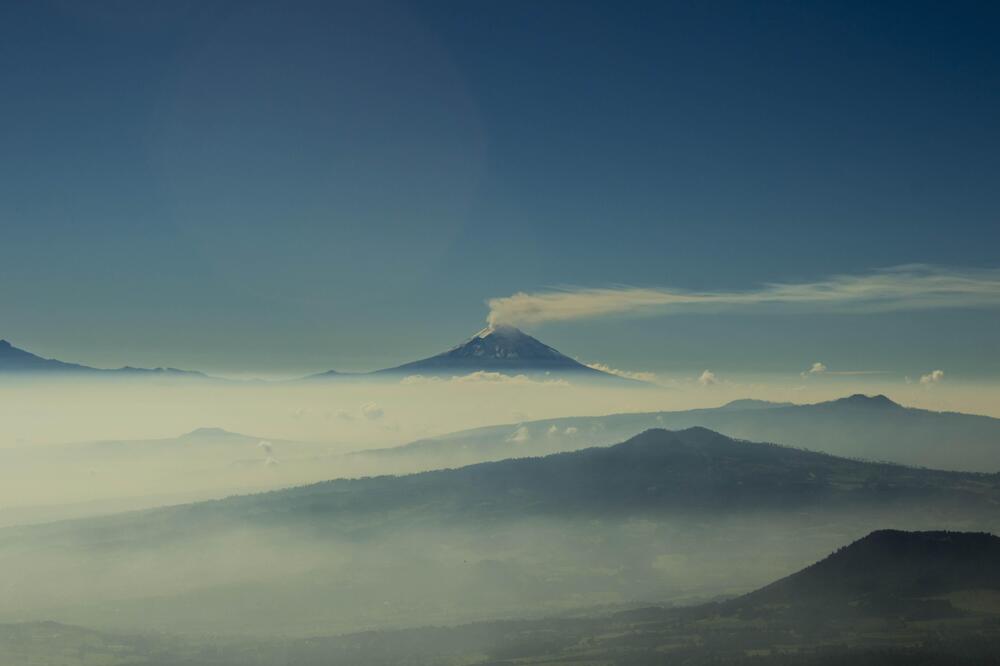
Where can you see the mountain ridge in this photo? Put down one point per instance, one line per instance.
(856, 426)
(496, 348)
(657, 471)
(17, 360)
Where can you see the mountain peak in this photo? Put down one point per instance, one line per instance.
(500, 330)
(499, 348)
(862, 400)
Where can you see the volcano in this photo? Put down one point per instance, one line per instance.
(500, 348)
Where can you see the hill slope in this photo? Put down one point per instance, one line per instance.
(891, 564)
(657, 472)
(657, 517)
(872, 428)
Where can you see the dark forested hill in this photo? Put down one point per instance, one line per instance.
(896, 564)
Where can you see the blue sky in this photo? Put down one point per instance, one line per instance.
(278, 187)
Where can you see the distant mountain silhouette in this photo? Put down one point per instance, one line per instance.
(749, 403)
(719, 503)
(15, 360)
(497, 348)
(858, 426)
(502, 349)
(657, 472)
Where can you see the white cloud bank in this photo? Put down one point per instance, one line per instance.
(372, 411)
(909, 287)
(931, 378)
(483, 377)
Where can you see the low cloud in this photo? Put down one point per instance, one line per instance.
(909, 287)
(816, 369)
(627, 374)
(931, 378)
(372, 411)
(520, 435)
(708, 378)
(266, 447)
(484, 377)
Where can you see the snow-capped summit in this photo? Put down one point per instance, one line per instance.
(499, 341)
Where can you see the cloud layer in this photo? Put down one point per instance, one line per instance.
(910, 287)
(483, 377)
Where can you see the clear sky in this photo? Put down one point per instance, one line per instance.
(281, 187)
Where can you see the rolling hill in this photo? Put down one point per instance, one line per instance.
(658, 472)
(858, 426)
(657, 517)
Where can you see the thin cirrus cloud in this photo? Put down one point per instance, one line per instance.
(819, 368)
(909, 287)
(483, 377)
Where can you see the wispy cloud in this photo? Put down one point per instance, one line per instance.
(819, 368)
(520, 435)
(909, 287)
(628, 374)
